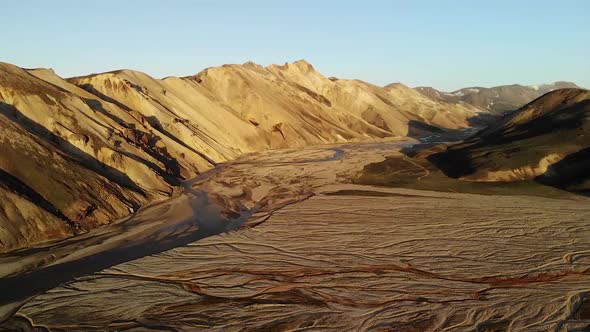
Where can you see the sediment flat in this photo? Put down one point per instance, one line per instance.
(317, 252)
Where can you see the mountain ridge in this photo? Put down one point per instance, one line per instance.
(498, 99)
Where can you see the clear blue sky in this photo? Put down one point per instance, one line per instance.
(445, 44)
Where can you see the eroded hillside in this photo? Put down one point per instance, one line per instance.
(83, 152)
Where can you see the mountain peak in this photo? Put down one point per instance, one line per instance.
(252, 64)
(396, 85)
(112, 73)
(301, 65)
(41, 70)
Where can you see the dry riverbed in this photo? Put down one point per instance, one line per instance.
(310, 250)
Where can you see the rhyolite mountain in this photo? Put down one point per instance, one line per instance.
(82, 152)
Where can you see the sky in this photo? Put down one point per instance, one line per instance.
(447, 44)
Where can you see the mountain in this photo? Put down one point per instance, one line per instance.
(296, 98)
(547, 140)
(498, 99)
(82, 152)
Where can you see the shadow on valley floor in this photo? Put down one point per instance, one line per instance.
(485, 119)
(161, 237)
(551, 130)
(413, 170)
(421, 130)
(570, 172)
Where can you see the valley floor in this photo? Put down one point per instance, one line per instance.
(315, 253)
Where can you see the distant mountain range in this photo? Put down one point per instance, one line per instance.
(499, 99)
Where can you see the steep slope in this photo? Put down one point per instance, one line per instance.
(498, 99)
(51, 186)
(83, 152)
(179, 110)
(547, 140)
(393, 108)
(48, 194)
(285, 114)
(291, 106)
(69, 154)
(277, 106)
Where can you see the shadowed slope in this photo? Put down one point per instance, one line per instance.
(552, 130)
